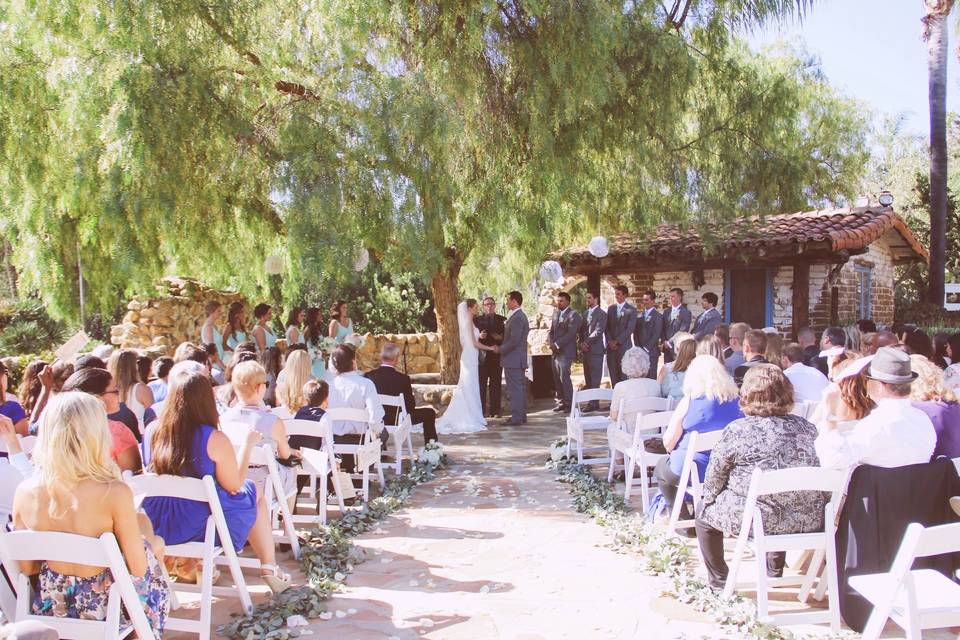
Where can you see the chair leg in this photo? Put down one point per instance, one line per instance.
(812, 571)
(679, 499)
(833, 584)
(738, 552)
(612, 465)
(628, 466)
(206, 593)
(322, 499)
(380, 478)
(366, 484)
(579, 452)
(763, 603)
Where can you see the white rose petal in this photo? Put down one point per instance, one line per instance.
(326, 615)
(341, 614)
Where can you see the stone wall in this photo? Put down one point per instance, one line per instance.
(419, 352)
(880, 260)
(661, 282)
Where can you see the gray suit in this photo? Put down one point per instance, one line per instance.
(620, 328)
(706, 323)
(564, 330)
(513, 359)
(648, 335)
(591, 334)
(671, 325)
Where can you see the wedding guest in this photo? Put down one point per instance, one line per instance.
(295, 319)
(188, 443)
(918, 342)
(272, 362)
(951, 375)
(886, 339)
(774, 351)
(313, 338)
(808, 383)
(9, 406)
(635, 365)
(832, 346)
(562, 338)
(711, 346)
(214, 364)
(767, 437)
(895, 433)
(51, 380)
(738, 331)
(649, 331)
(190, 351)
(296, 372)
(225, 394)
(866, 326)
(678, 319)
(89, 360)
(621, 323)
(851, 338)
(101, 385)
(931, 396)
(671, 384)
(263, 337)
(807, 340)
(316, 393)
(76, 488)
(722, 332)
(161, 370)
(709, 403)
(591, 345)
(13, 469)
(351, 390)
(490, 324)
(209, 332)
(845, 400)
(235, 331)
(341, 326)
(135, 395)
(754, 346)
(940, 350)
(144, 365)
(708, 321)
(390, 382)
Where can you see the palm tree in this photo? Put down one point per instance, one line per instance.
(935, 33)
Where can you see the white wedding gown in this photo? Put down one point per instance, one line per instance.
(465, 413)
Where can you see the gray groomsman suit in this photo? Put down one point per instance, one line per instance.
(564, 330)
(592, 331)
(513, 359)
(620, 327)
(673, 323)
(706, 323)
(649, 333)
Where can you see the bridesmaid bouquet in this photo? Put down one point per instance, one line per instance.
(356, 340)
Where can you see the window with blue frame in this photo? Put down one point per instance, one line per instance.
(864, 276)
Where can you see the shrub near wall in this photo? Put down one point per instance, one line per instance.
(929, 317)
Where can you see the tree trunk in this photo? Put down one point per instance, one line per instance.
(444, 288)
(935, 30)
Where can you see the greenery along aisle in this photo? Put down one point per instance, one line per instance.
(661, 553)
(327, 555)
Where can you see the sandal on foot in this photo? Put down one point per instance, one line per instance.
(276, 578)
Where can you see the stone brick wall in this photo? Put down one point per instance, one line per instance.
(661, 282)
(880, 259)
(419, 352)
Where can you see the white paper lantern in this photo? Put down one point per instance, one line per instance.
(551, 271)
(599, 247)
(363, 259)
(273, 265)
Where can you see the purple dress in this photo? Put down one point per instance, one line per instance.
(177, 520)
(945, 417)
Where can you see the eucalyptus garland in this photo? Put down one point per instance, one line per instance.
(327, 555)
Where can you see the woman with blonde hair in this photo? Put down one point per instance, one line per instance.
(710, 402)
(76, 488)
(673, 373)
(133, 393)
(297, 370)
(929, 394)
(711, 346)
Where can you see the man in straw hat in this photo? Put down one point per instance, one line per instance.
(895, 433)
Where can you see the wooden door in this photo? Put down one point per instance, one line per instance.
(748, 297)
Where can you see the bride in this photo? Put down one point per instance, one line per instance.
(465, 413)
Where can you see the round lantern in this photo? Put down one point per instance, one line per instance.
(599, 247)
(551, 271)
(363, 259)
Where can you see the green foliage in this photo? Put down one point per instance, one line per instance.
(382, 303)
(26, 327)
(931, 317)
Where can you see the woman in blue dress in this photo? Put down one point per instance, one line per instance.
(235, 331)
(209, 334)
(263, 337)
(9, 406)
(294, 333)
(187, 443)
(341, 326)
(313, 338)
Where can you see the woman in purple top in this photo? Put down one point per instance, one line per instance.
(9, 406)
(931, 395)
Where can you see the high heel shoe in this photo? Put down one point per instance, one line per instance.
(276, 579)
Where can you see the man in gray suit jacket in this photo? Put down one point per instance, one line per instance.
(678, 319)
(708, 321)
(650, 331)
(564, 329)
(621, 323)
(591, 344)
(513, 358)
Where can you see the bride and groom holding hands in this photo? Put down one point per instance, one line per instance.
(465, 413)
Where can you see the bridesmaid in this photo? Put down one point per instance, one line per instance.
(208, 332)
(341, 325)
(313, 338)
(235, 330)
(263, 337)
(294, 322)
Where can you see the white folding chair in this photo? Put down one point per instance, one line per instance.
(578, 424)
(367, 453)
(282, 412)
(399, 432)
(17, 546)
(690, 483)
(804, 409)
(764, 483)
(317, 464)
(649, 423)
(27, 444)
(914, 599)
(150, 485)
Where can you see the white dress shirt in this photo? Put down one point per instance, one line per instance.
(808, 382)
(894, 434)
(351, 390)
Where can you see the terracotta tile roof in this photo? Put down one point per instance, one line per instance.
(833, 230)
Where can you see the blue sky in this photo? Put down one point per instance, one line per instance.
(872, 50)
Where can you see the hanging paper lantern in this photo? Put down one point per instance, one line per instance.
(599, 247)
(273, 265)
(363, 259)
(551, 271)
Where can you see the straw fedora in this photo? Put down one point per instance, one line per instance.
(892, 366)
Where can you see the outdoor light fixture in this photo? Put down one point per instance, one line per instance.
(599, 247)
(551, 271)
(886, 198)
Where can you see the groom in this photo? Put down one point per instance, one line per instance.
(513, 358)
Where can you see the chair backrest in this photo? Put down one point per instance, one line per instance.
(937, 540)
(767, 482)
(650, 421)
(148, 485)
(642, 406)
(396, 402)
(236, 432)
(281, 412)
(591, 395)
(701, 441)
(313, 428)
(343, 414)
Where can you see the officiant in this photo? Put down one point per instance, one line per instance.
(490, 324)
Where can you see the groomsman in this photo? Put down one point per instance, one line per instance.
(649, 331)
(491, 327)
(564, 330)
(621, 323)
(678, 319)
(708, 321)
(591, 344)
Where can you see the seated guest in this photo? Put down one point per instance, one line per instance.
(894, 434)
(390, 382)
(931, 396)
(214, 362)
(290, 381)
(808, 383)
(161, 369)
(918, 342)
(940, 350)
(711, 346)
(774, 351)
(851, 338)
(738, 331)
(709, 403)
(272, 362)
(635, 365)
(951, 375)
(866, 326)
(13, 469)
(133, 393)
(807, 340)
(672, 373)
(845, 401)
(722, 333)
(188, 443)
(225, 394)
(51, 380)
(30, 386)
(100, 384)
(754, 346)
(351, 390)
(832, 347)
(76, 488)
(144, 366)
(9, 406)
(316, 393)
(768, 437)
